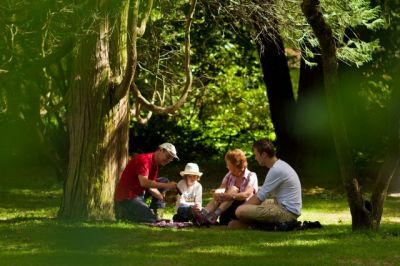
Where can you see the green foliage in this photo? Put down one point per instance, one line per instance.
(287, 18)
(343, 17)
(227, 106)
(368, 95)
(32, 94)
(357, 52)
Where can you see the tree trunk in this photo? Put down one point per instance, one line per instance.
(280, 94)
(391, 166)
(98, 132)
(360, 210)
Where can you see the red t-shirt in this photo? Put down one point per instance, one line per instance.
(129, 186)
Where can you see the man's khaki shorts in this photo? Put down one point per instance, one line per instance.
(269, 211)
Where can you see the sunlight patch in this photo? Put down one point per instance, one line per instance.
(314, 191)
(227, 250)
(36, 192)
(342, 217)
(20, 214)
(298, 243)
(391, 219)
(164, 244)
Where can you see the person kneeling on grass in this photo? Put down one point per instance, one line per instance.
(282, 182)
(190, 193)
(140, 178)
(238, 185)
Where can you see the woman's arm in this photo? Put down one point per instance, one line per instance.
(248, 192)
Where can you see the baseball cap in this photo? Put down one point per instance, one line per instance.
(170, 148)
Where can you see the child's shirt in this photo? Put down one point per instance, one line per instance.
(190, 195)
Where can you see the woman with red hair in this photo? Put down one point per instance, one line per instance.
(238, 185)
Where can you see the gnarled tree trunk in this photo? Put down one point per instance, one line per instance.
(97, 126)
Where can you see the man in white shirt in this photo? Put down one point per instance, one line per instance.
(279, 198)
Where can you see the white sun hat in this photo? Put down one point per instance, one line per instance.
(191, 169)
(170, 148)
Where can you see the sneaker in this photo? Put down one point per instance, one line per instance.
(311, 225)
(199, 217)
(211, 218)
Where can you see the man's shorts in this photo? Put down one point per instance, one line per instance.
(269, 211)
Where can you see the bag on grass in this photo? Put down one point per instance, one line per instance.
(288, 226)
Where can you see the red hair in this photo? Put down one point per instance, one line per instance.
(237, 158)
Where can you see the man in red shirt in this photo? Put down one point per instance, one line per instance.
(140, 174)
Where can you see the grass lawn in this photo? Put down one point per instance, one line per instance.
(30, 235)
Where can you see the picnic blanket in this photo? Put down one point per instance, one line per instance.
(288, 226)
(170, 224)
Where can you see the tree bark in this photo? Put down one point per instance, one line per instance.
(98, 132)
(360, 209)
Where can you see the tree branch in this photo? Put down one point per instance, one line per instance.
(122, 89)
(142, 28)
(136, 112)
(188, 84)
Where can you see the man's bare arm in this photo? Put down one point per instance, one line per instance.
(253, 201)
(145, 182)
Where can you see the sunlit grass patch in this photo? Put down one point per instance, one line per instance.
(326, 217)
(8, 214)
(24, 203)
(35, 193)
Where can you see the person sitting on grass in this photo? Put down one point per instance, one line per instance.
(281, 182)
(238, 185)
(190, 192)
